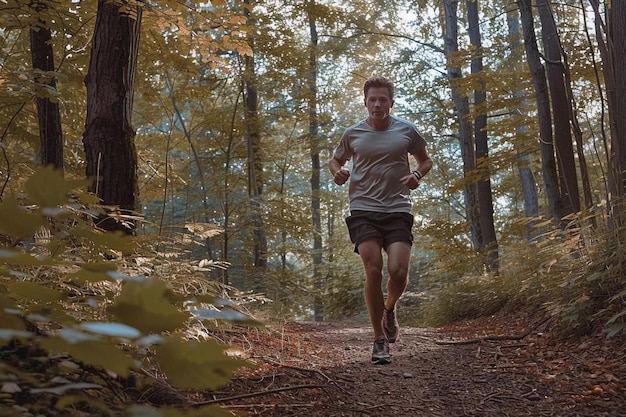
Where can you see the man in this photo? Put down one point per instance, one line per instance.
(380, 206)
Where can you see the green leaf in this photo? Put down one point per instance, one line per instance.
(47, 187)
(16, 221)
(197, 364)
(6, 335)
(34, 291)
(61, 389)
(13, 257)
(112, 329)
(227, 314)
(145, 306)
(94, 272)
(99, 353)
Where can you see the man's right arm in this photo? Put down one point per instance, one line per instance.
(340, 175)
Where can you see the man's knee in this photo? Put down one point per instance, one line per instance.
(398, 273)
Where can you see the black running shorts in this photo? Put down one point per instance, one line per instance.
(388, 227)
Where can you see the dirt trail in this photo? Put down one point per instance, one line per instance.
(308, 369)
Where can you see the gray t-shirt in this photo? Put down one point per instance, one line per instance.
(379, 159)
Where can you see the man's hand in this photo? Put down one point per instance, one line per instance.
(341, 176)
(410, 181)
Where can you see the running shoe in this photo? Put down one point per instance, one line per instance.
(390, 325)
(380, 352)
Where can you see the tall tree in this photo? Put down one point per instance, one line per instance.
(48, 115)
(255, 160)
(461, 102)
(488, 239)
(611, 36)
(315, 156)
(568, 178)
(109, 137)
(544, 114)
(522, 148)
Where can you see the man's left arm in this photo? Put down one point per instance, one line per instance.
(424, 165)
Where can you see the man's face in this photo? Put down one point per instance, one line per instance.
(378, 103)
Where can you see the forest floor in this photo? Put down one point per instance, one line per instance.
(495, 366)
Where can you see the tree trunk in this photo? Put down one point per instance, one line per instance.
(548, 160)
(524, 160)
(613, 51)
(489, 242)
(315, 163)
(465, 128)
(578, 135)
(227, 191)
(568, 178)
(255, 163)
(48, 115)
(109, 136)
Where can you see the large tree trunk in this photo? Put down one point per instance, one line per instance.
(109, 138)
(466, 136)
(489, 242)
(617, 102)
(315, 162)
(612, 45)
(568, 179)
(548, 160)
(523, 151)
(48, 115)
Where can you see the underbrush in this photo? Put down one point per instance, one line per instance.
(103, 323)
(578, 277)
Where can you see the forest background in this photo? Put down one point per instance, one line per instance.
(163, 165)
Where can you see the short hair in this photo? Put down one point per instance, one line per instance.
(378, 81)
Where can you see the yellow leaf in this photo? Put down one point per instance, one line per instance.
(92, 352)
(106, 241)
(34, 291)
(13, 257)
(16, 221)
(47, 187)
(197, 364)
(145, 306)
(95, 272)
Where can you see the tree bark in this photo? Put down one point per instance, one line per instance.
(524, 160)
(489, 241)
(466, 137)
(109, 137)
(255, 163)
(568, 178)
(548, 160)
(315, 162)
(613, 51)
(48, 115)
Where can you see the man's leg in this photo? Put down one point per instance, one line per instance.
(372, 257)
(398, 258)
